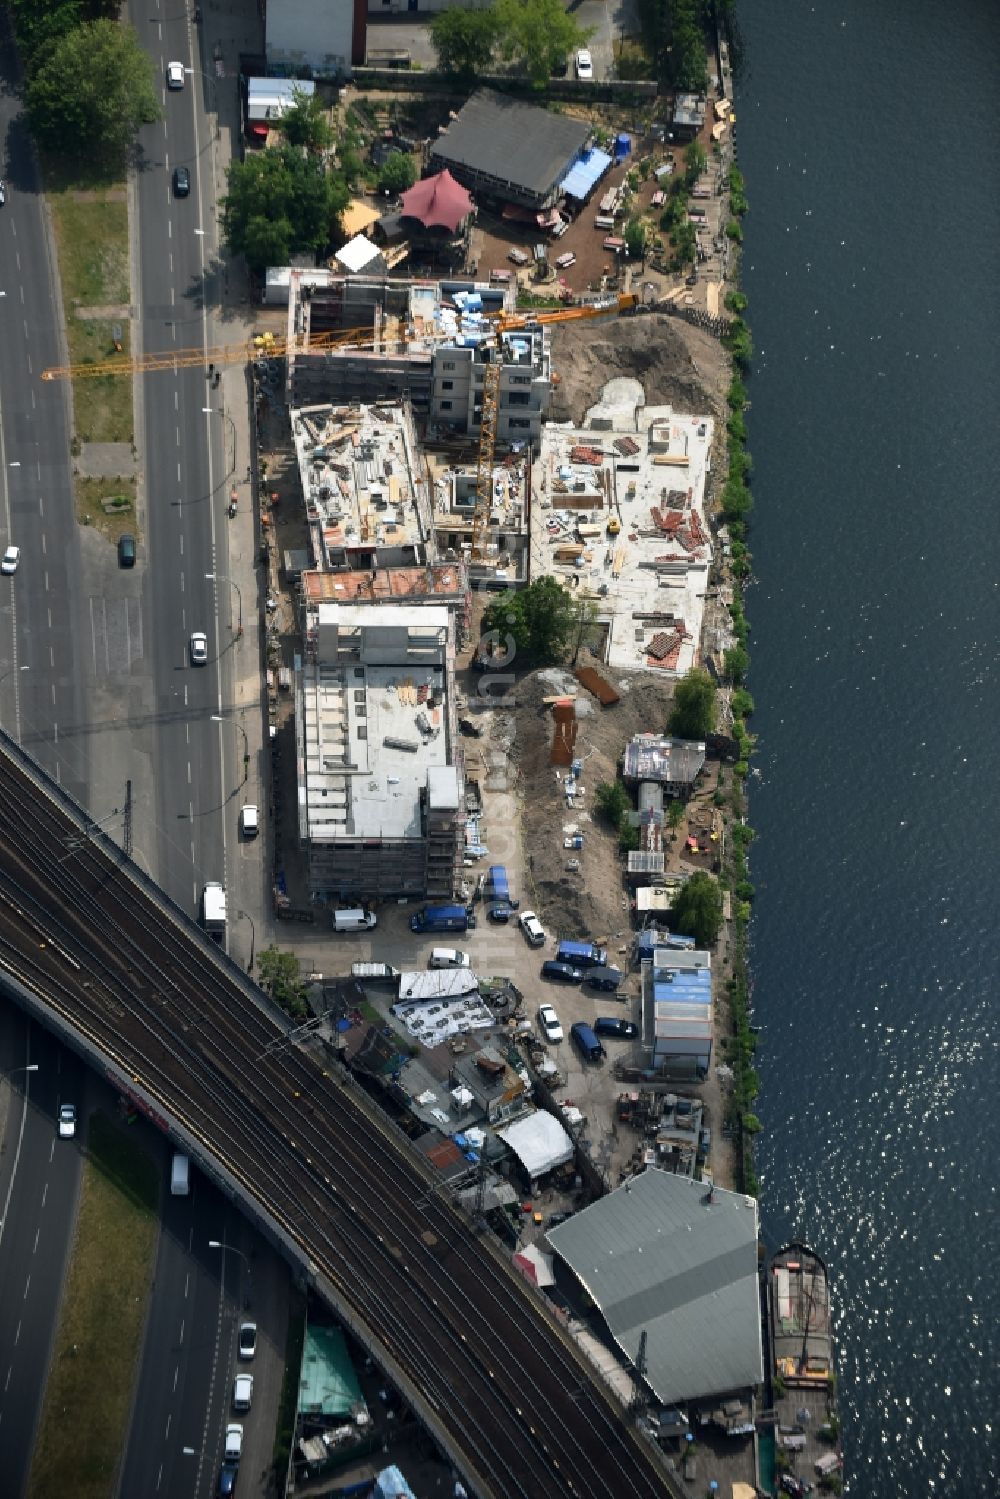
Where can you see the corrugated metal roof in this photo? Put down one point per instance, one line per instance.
(516, 143)
(328, 1385)
(665, 1256)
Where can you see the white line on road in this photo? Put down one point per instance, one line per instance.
(37, 1232)
(45, 575)
(27, 1288)
(172, 272)
(170, 230)
(187, 1284)
(182, 543)
(176, 1374)
(186, 703)
(49, 613)
(44, 548)
(169, 1419)
(172, 296)
(52, 1149)
(189, 772)
(26, 327)
(159, 1475)
(176, 406)
(181, 1341)
(17, 1335)
(53, 694)
(22, 296)
(17, 257)
(6, 1383)
(16, 463)
(32, 400)
(182, 582)
(45, 1191)
(52, 656)
(177, 434)
(178, 473)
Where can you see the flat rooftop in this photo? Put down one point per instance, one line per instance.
(643, 468)
(372, 739)
(442, 580)
(357, 466)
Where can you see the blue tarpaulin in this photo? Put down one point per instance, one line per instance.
(623, 146)
(585, 174)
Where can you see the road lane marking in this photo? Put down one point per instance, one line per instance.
(16, 463)
(45, 575)
(178, 473)
(177, 432)
(41, 505)
(170, 1416)
(182, 543)
(32, 400)
(45, 1190)
(182, 582)
(181, 1344)
(170, 230)
(187, 1284)
(6, 1383)
(49, 613)
(159, 1475)
(17, 257)
(44, 548)
(37, 1232)
(22, 296)
(176, 1373)
(17, 1335)
(189, 772)
(53, 694)
(52, 657)
(27, 1288)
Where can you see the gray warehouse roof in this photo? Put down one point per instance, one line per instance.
(663, 1256)
(512, 142)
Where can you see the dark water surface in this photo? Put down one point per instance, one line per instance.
(869, 134)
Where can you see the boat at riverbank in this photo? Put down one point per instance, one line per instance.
(805, 1453)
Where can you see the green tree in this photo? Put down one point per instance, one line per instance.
(280, 203)
(399, 172)
(613, 803)
(737, 661)
(694, 163)
(676, 813)
(280, 975)
(635, 239)
(464, 40)
(541, 620)
(307, 123)
(93, 92)
(697, 911)
(693, 715)
(538, 35)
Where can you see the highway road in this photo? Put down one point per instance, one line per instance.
(200, 1295)
(42, 608)
(506, 1392)
(198, 759)
(39, 1185)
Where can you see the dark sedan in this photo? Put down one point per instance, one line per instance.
(563, 972)
(605, 978)
(618, 1030)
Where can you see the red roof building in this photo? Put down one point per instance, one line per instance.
(437, 202)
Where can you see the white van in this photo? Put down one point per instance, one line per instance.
(180, 1175)
(448, 957)
(354, 920)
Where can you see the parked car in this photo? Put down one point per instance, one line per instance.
(175, 75)
(563, 973)
(126, 551)
(228, 1474)
(199, 648)
(605, 978)
(584, 64)
(234, 1442)
(67, 1121)
(532, 928)
(242, 1392)
(500, 914)
(620, 1030)
(249, 821)
(548, 1023)
(248, 1339)
(182, 182)
(448, 957)
(11, 558)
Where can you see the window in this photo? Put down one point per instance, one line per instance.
(447, 385)
(448, 364)
(519, 398)
(518, 422)
(520, 380)
(446, 405)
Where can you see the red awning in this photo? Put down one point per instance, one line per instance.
(437, 202)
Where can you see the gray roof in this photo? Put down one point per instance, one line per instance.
(648, 757)
(513, 142)
(657, 1256)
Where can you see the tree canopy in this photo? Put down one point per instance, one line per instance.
(93, 92)
(693, 715)
(280, 975)
(697, 910)
(280, 203)
(307, 122)
(538, 35)
(541, 619)
(464, 40)
(398, 171)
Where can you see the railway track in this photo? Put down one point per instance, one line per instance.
(518, 1402)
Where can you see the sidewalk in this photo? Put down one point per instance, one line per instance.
(226, 31)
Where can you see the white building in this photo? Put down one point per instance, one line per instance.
(326, 36)
(380, 784)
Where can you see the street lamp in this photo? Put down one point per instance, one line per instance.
(221, 578)
(253, 936)
(13, 673)
(31, 1067)
(208, 411)
(218, 718)
(231, 1248)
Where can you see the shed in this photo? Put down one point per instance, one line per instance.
(510, 150)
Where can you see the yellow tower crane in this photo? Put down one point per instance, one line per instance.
(267, 346)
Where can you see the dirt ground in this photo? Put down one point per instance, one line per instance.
(592, 900)
(679, 365)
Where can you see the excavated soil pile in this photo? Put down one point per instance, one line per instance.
(678, 365)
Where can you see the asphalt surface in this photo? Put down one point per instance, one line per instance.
(198, 762)
(189, 1358)
(42, 691)
(504, 1389)
(39, 1183)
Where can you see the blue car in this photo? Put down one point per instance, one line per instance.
(500, 914)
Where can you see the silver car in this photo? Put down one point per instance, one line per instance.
(199, 648)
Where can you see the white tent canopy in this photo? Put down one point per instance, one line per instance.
(539, 1142)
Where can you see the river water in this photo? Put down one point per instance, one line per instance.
(868, 133)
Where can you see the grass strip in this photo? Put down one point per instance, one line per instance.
(88, 1398)
(95, 499)
(90, 221)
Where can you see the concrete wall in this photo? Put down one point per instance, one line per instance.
(318, 34)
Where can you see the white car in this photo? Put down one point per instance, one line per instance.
(242, 1392)
(175, 75)
(67, 1121)
(199, 648)
(249, 821)
(532, 928)
(584, 64)
(548, 1021)
(248, 1339)
(234, 1442)
(11, 558)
